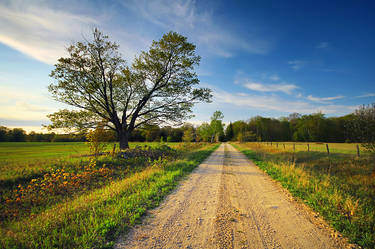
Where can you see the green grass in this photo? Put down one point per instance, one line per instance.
(95, 218)
(336, 148)
(25, 160)
(340, 187)
(31, 151)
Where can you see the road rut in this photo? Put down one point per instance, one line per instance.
(228, 202)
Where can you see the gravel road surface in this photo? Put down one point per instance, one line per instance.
(228, 202)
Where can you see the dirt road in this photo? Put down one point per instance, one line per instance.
(227, 202)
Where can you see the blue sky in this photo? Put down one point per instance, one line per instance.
(268, 58)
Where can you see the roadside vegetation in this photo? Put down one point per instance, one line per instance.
(339, 186)
(86, 202)
(21, 161)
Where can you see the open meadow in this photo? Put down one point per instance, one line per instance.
(55, 195)
(340, 186)
(20, 160)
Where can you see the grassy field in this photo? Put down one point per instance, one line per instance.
(341, 186)
(86, 203)
(31, 151)
(335, 148)
(25, 160)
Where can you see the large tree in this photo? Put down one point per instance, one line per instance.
(217, 126)
(159, 87)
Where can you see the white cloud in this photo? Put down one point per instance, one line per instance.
(42, 31)
(325, 99)
(39, 31)
(275, 103)
(297, 64)
(322, 45)
(366, 95)
(242, 78)
(282, 87)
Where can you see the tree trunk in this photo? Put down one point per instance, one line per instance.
(123, 137)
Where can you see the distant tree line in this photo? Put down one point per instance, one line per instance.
(356, 127)
(20, 135)
(306, 128)
(149, 133)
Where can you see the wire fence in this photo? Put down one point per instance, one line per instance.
(329, 148)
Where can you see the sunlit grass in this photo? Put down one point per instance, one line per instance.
(95, 217)
(27, 159)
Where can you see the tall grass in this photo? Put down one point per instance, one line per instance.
(341, 189)
(95, 218)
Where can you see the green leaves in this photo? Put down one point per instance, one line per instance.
(159, 87)
(67, 120)
(362, 126)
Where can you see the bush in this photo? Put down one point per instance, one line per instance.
(148, 152)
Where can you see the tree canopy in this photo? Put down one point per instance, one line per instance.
(159, 87)
(362, 126)
(214, 131)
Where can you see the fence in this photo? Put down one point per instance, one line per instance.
(328, 148)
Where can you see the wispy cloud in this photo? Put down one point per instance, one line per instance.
(39, 31)
(276, 103)
(324, 99)
(322, 45)
(285, 88)
(243, 79)
(274, 77)
(297, 64)
(45, 36)
(185, 17)
(168, 13)
(366, 95)
(18, 104)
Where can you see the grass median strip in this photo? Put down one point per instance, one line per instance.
(343, 191)
(95, 219)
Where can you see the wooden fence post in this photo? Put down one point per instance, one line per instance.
(294, 147)
(284, 146)
(329, 159)
(277, 145)
(308, 148)
(271, 143)
(358, 154)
